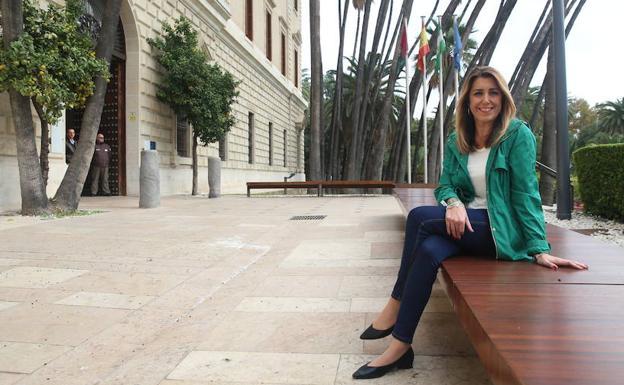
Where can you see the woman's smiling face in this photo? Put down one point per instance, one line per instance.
(485, 100)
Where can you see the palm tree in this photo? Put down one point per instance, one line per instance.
(374, 103)
(611, 117)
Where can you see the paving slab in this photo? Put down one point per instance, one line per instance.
(26, 358)
(282, 368)
(213, 291)
(36, 277)
(106, 300)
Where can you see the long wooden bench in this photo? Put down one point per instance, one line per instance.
(319, 185)
(534, 326)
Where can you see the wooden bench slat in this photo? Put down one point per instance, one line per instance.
(544, 334)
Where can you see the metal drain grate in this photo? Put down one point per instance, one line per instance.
(308, 217)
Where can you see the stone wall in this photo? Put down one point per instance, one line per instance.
(264, 91)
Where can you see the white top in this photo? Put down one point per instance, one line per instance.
(476, 169)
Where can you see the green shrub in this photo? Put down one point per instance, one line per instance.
(600, 171)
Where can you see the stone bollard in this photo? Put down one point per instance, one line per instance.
(214, 176)
(149, 188)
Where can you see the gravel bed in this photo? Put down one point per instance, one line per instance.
(608, 230)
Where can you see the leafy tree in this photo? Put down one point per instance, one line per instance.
(580, 116)
(34, 200)
(53, 63)
(611, 115)
(201, 92)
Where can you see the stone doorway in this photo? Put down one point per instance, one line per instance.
(112, 123)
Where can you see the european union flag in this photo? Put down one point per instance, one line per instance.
(457, 51)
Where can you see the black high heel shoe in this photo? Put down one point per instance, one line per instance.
(406, 361)
(374, 334)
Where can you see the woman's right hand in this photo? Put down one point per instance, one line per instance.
(457, 221)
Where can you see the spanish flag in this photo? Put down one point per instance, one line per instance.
(424, 48)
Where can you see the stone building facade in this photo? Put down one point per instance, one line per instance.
(258, 41)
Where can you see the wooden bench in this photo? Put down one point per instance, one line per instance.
(284, 185)
(319, 185)
(534, 326)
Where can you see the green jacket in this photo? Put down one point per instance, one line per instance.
(514, 202)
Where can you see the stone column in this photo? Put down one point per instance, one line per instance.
(149, 196)
(214, 176)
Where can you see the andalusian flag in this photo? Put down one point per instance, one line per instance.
(424, 48)
(403, 57)
(457, 50)
(441, 50)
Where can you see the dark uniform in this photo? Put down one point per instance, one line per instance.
(70, 148)
(101, 159)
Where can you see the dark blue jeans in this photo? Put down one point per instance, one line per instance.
(427, 244)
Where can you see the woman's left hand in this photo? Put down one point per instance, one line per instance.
(554, 263)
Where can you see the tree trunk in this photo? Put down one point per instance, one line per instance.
(68, 195)
(194, 190)
(32, 188)
(549, 134)
(529, 61)
(316, 91)
(372, 63)
(336, 124)
(487, 47)
(45, 143)
(530, 44)
(352, 155)
(357, 32)
(417, 143)
(419, 138)
(461, 17)
(388, 23)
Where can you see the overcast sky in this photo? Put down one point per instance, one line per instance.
(594, 57)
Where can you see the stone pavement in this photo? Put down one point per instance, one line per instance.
(212, 291)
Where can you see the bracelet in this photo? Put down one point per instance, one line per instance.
(456, 203)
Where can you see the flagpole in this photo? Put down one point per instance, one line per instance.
(408, 115)
(441, 87)
(424, 116)
(456, 56)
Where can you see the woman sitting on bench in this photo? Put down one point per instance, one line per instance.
(490, 206)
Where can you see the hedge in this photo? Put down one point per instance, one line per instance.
(600, 171)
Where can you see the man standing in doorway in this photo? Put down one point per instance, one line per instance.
(70, 145)
(101, 160)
